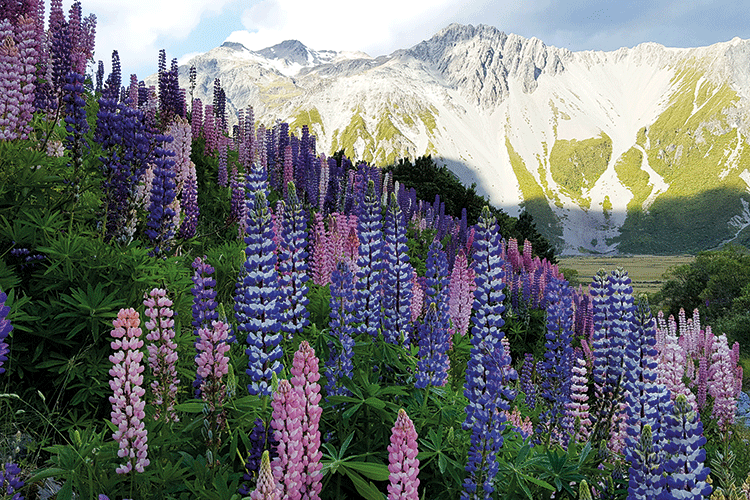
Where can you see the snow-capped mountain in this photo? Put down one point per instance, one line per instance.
(638, 150)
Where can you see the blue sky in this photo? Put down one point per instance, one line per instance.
(138, 29)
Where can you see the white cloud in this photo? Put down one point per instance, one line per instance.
(374, 27)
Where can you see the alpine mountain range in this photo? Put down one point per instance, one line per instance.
(638, 150)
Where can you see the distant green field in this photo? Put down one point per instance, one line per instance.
(646, 271)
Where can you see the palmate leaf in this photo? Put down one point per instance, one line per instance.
(89, 311)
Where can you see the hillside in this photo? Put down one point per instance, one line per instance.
(640, 150)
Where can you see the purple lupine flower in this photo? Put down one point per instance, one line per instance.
(190, 205)
(204, 304)
(292, 266)
(526, 380)
(305, 378)
(237, 206)
(127, 402)
(99, 77)
(369, 263)
(196, 119)
(288, 405)
(160, 217)
(434, 340)
(485, 387)
(685, 468)
(257, 300)
(397, 278)
(342, 318)
(10, 481)
(403, 463)
(5, 328)
(261, 439)
(555, 369)
(267, 488)
(75, 119)
(162, 352)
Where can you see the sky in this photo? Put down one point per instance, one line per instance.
(138, 29)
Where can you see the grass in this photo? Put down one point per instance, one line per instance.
(645, 271)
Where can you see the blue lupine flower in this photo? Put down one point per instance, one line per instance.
(433, 364)
(685, 469)
(257, 300)
(293, 266)
(397, 278)
(646, 478)
(10, 481)
(369, 263)
(342, 318)
(485, 386)
(160, 220)
(526, 381)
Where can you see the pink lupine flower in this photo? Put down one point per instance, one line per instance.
(461, 293)
(403, 463)
(578, 407)
(305, 376)
(266, 489)
(417, 298)
(523, 426)
(127, 402)
(287, 421)
(722, 384)
(162, 352)
(212, 361)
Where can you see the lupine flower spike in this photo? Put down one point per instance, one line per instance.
(5, 329)
(403, 463)
(162, 352)
(127, 401)
(266, 489)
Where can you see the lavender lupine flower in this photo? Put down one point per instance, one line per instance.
(403, 463)
(461, 288)
(293, 275)
(162, 352)
(18, 58)
(10, 481)
(5, 329)
(305, 378)
(342, 318)
(434, 341)
(578, 407)
(369, 263)
(397, 278)
(127, 401)
(267, 488)
(212, 364)
(485, 387)
(724, 383)
(685, 469)
(287, 467)
(555, 369)
(257, 300)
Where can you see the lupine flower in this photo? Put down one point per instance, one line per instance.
(403, 463)
(162, 352)
(646, 470)
(127, 401)
(196, 120)
(10, 481)
(257, 300)
(212, 364)
(526, 380)
(685, 469)
(722, 384)
(160, 217)
(342, 318)
(397, 278)
(5, 329)
(485, 388)
(190, 205)
(671, 368)
(292, 266)
(555, 369)
(578, 407)
(369, 263)
(461, 288)
(433, 364)
(261, 439)
(305, 378)
(521, 425)
(288, 407)
(267, 488)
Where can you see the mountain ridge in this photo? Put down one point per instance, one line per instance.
(592, 143)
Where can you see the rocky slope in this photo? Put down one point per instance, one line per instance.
(640, 150)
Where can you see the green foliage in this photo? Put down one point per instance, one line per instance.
(576, 165)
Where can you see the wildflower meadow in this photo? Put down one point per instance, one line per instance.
(196, 310)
